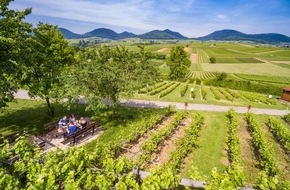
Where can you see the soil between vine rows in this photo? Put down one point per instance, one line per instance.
(164, 151)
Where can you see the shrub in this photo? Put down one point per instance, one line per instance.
(212, 60)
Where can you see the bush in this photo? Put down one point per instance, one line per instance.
(212, 60)
(287, 118)
(222, 76)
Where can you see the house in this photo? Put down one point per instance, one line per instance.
(286, 94)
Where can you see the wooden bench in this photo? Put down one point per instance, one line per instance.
(94, 126)
(51, 125)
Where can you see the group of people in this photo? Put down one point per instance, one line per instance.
(71, 125)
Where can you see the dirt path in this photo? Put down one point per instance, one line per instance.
(161, 50)
(193, 58)
(163, 154)
(249, 161)
(136, 148)
(187, 49)
(203, 107)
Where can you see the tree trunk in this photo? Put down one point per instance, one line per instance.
(50, 109)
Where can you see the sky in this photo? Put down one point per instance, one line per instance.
(191, 18)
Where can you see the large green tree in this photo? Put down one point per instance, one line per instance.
(14, 33)
(49, 56)
(178, 62)
(109, 73)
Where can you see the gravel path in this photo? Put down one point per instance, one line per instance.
(22, 94)
(203, 107)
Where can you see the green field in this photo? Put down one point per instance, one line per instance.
(256, 69)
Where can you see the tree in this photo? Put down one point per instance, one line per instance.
(14, 33)
(178, 62)
(212, 59)
(110, 73)
(49, 56)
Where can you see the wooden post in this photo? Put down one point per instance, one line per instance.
(93, 129)
(249, 107)
(185, 105)
(74, 139)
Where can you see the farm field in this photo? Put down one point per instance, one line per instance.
(208, 151)
(194, 143)
(226, 97)
(204, 146)
(267, 65)
(256, 69)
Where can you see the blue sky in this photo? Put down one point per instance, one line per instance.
(192, 18)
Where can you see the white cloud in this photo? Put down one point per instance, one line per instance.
(222, 18)
(192, 18)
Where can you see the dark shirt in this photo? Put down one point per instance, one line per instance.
(62, 122)
(84, 124)
(72, 129)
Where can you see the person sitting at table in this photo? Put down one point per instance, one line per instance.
(72, 118)
(72, 128)
(82, 122)
(62, 122)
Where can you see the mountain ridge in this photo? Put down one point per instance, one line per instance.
(220, 35)
(234, 35)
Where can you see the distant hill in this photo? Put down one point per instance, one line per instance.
(225, 35)
(126, 35)
(159, 34)
(221, 35)
(102, 33)
(68, 34)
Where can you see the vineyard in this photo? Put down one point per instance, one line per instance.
(179, 92)
(165, 147)
(111, 141)
(201, 75)
(202, 56)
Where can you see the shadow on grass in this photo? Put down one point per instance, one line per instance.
(31, 115)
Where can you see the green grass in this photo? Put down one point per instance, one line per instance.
(257, 69)
(226, 60)
(285, 65)
(265, 78)
(212, 142)
(248, 60)
(31, 115)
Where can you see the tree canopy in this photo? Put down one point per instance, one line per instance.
(108, 73)
(49, 56)
(14, 33)
(178, 62)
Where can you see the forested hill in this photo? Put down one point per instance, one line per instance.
(100, 32)
(110, 34)
(69, 35)
(221, 35)
(159, 34)
(225, 35)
